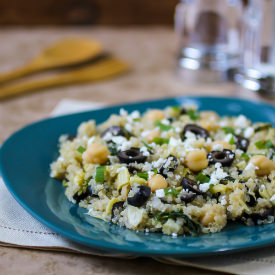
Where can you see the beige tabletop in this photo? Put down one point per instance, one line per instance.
(151, 51)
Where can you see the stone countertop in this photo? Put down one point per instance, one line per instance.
(151, 51)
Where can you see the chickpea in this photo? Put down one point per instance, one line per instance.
(209, 124)
(209, 115)
(96, 153)
(153, 134)
(210, 214)
(224, 144)
(157, 182)
(196, 160)
(155, 114)
(265, 165)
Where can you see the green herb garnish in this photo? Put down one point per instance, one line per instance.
(113, 150)
(192, 227)
(155, 171)
(160, 141)
(228, 130)
(248, 156)
(176, 108)
(202, 178)
(81, 149)
(193, 114)
(162, 126)
(226, 179)
(171, 191)
(99, 174)
(143, 175)
(136, 119)
(263, 127)
(232, 141)
(147, 145)
(264, 144)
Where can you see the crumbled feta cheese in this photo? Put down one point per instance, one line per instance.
(158, 163)
(174, 142)
(178, 129)
(223, 200)
(165, 121)
(204, 187)
(150, 174)
(223, 123)
(228, 137)
(160, 193)
(61, 159)
(238, 131)
(128, 127)
(144, 151)
(272, 198)
(249, 169)
(241, 122)
(123, 112)
(92, 139)
(218, 174)
(174, 235)
(217, 147)
(121, 169)
(249, 131)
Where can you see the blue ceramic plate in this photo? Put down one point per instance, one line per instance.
(25, 159)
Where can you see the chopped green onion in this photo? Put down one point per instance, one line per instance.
(193, 114)
(202, 178)
(99, 174)
(162, 126)
(171, 191)
(143, 175)
(136, 119)
(232, 141)
(228, 130)
(81, 149)
(155, 171)
(192, 227)
(176, 108)
(261, 144)
(226, 179)
(160, 141)
(248, 156)
(147, 145)
(263, 127)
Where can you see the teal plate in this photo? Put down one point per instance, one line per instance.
(25, 158)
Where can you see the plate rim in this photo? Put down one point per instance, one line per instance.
(109, 246)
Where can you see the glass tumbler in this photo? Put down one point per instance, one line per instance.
(209, 37)
(258, 48)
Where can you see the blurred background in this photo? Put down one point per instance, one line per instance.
(87, 12)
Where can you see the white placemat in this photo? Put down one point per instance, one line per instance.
(18, 228)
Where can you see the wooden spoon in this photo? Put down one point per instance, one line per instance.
(100, 70)
(64, 53)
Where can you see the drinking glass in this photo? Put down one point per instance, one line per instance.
(209, 37)
(258, 48)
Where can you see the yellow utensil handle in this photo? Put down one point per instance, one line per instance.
(19, 72)
(90, 74)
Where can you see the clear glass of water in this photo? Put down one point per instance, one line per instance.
(209, 37)
(258, 48)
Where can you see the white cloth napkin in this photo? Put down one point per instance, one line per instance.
(18, 228)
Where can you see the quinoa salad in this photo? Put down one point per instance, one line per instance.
(179, 171)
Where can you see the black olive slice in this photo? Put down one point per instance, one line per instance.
(195, 129)
(71, 137)
(190, 185)
(260, 216)
(242, 143)
(225, 157)
(140, 197)
(252, 201)
(169, 165)
(79, 197)
(188, 197)
(131, 155)
(115, 131)
(119, 206)
(183, 111)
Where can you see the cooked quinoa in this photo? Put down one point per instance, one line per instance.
(176, 171)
